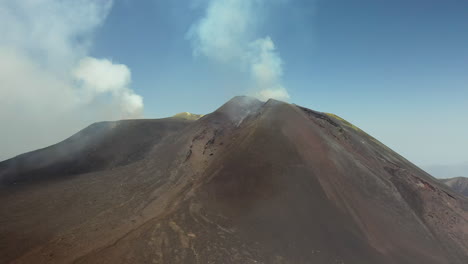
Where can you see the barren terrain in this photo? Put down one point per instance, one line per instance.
(252, 182)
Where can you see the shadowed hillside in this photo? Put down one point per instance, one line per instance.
(100, 146)
(458, 184)
(252, 182)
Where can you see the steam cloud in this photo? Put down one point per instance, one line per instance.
(101, 76)
(227, 34)
(49, 85)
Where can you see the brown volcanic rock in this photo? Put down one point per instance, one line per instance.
(458, 184)
(252, 182)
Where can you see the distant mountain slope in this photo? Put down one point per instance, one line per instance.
(459, 184)
(252, 182)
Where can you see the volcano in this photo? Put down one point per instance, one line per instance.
(252, 182)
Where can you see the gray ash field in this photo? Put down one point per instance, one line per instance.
(252, 182)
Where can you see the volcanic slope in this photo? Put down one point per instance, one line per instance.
(252, 182)
(100, 146)
(458, 184)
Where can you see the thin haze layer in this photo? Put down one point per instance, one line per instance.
(49, 83)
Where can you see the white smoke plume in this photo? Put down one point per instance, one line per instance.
(49, 85)
(100, 76)
(228, 34)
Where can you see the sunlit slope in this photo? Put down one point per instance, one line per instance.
(188, 116)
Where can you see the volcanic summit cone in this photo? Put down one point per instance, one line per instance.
(252, 182)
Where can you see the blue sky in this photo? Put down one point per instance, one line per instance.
(414, 53)
(397, 69)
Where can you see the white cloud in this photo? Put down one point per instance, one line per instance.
(99, 76)
(54, 33)
(102, 75)
(224, 31)
(49, 86)
(228, 34)
(131, 103)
